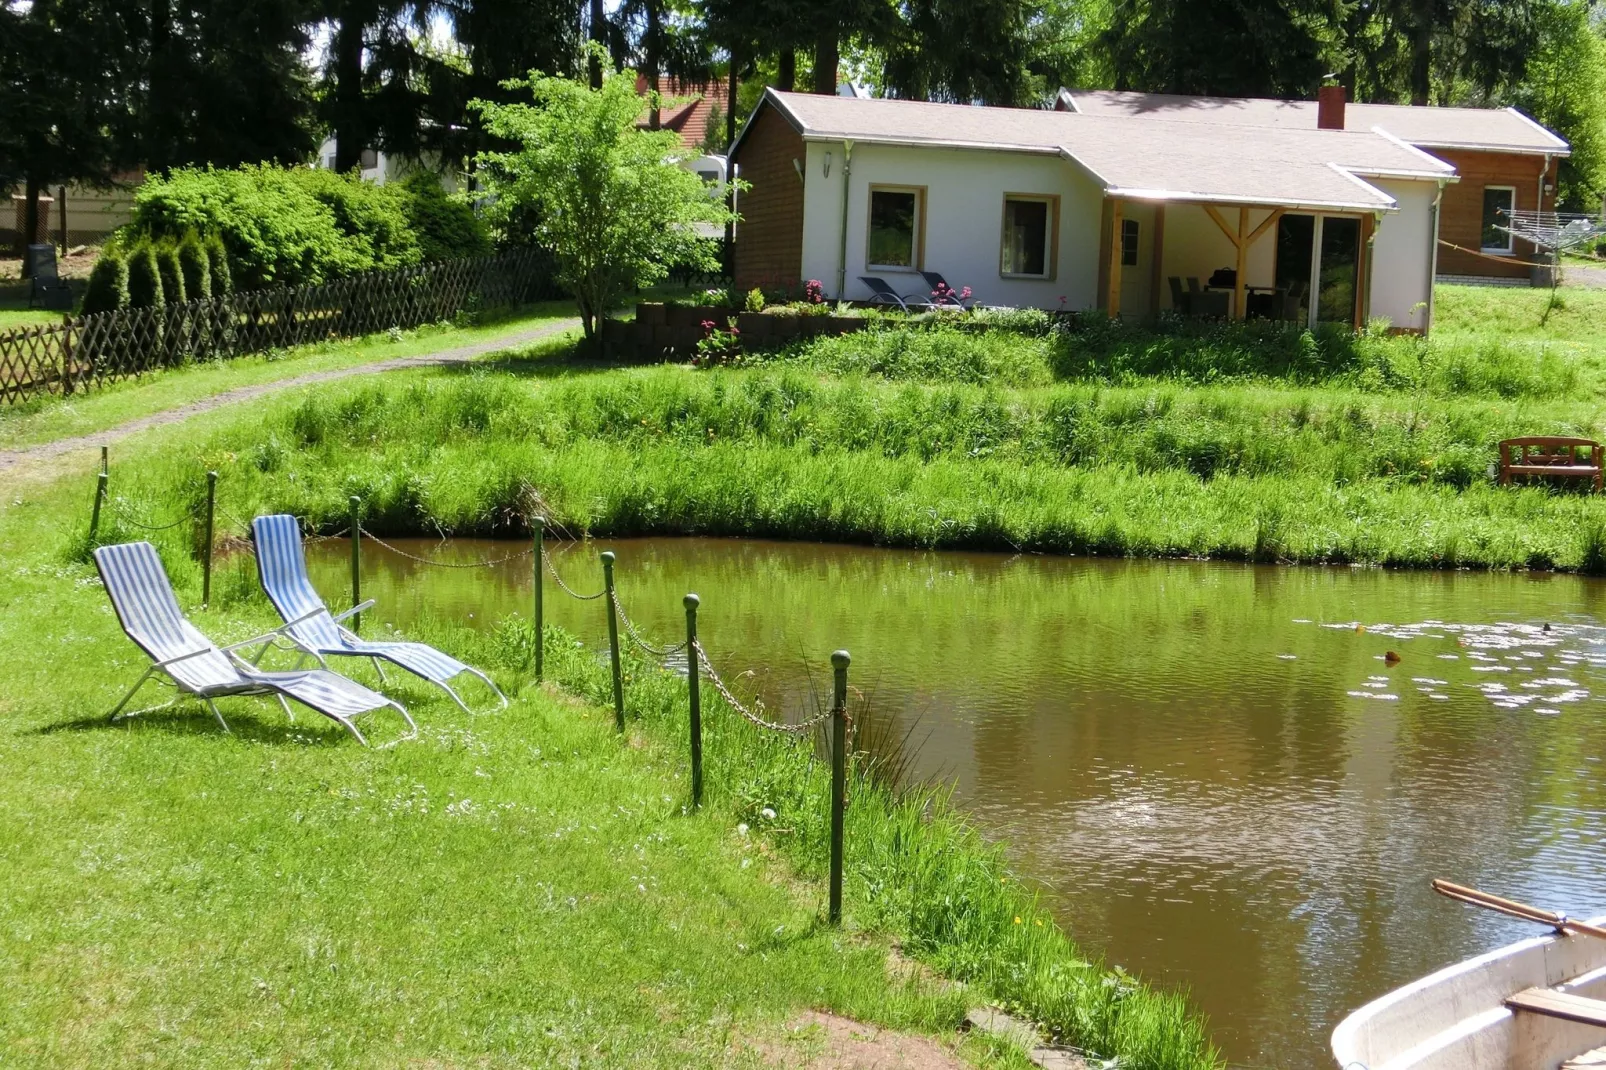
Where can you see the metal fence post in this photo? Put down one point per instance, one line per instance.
(104, 457)
(100, 497)
(839, 775)
(206, 549)
(540, 623)
(356, 562)
(693, 687)
(94, 515)
(613, 642)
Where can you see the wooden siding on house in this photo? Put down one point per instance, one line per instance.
(769, 235)
(1461, 212)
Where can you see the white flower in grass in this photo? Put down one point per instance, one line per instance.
(741, 830)
(769, 814)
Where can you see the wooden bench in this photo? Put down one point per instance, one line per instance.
(1550, 457)
(1563, 1005)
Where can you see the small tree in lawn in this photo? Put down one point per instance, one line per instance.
(613, 206)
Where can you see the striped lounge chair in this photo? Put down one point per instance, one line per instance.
(310, 626)
(143, 598)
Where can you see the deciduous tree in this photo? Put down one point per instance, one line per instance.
(613, 204)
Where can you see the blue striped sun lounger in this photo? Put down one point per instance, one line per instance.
(311, 627)
(143, 598)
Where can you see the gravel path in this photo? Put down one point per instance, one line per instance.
(47, 460)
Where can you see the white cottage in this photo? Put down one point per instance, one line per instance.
(1054, 209)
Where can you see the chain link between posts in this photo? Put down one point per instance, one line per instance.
(447, 564)
(635, 636)
(120, 508)
(774, 726)
(546, 559)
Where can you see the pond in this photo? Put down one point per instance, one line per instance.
(1214, 772)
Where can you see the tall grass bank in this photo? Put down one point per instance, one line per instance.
(1259, 470)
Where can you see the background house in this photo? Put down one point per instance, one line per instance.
(1506, 161)
(1054, 209)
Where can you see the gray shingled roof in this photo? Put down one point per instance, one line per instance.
(1157, 159)
(1487, 129)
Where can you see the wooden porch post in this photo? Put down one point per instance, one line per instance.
(1239, 287)
(1157, 254)
(1112, 304)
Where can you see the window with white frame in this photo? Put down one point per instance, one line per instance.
(1498, 202)
(1028, 243)
(897, 217)
(1129, 243)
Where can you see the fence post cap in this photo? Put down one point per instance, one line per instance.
(607, 557)
(691, 601)
(212, 476)
(540, 521)
(841, 658)
(355, 501)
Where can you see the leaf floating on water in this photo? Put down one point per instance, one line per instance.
(1390, 658)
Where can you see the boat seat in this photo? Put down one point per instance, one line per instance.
(1590, 1060)
(1565, 1005)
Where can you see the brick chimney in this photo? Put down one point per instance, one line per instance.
(1330, 107)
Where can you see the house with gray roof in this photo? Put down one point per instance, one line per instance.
(1505, 160)
(1065, 209)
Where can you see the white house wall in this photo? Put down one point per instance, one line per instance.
(1402, 255)
(1195, 247)
(964, 220)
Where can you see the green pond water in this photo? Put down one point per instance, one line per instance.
(1214, 777)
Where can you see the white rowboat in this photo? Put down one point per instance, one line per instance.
(1535, 1005)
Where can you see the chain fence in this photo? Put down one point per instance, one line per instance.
(120, 509)
(552, 569)
(87, 352)
(432, 563)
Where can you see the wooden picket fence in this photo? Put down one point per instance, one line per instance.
(86, 352)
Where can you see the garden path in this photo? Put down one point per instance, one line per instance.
(47, 460)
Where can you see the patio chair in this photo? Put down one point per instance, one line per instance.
(282, 567)
(140, 592)
(882, 294)
(939, 285)
(48, 290)
(1181, 300)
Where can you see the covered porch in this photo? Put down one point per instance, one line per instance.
(1216, 260)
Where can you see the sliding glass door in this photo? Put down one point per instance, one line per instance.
(1339, 270)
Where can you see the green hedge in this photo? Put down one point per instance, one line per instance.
(291, 226)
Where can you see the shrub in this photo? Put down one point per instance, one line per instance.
(372, 218)
(280, 226)
(144, 278)
(172, 272)
(194, 268)
(217, 263)
(755, 300)
(445, 227)
(108, 284)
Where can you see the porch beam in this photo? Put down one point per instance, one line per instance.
(1210, 209)
(1266, 224)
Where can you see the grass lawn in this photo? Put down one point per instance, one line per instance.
(47, 419)
(518, 888)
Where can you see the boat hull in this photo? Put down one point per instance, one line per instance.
(1457, 1019)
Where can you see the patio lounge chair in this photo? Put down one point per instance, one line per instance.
(143, 598)
(939, 285)
(882, 294)
(283, 570)
(48, 290)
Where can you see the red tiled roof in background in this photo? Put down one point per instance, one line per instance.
(689, 116)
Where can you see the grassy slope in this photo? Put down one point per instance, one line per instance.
(49, 419)
(513, 889)
(518, 888)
